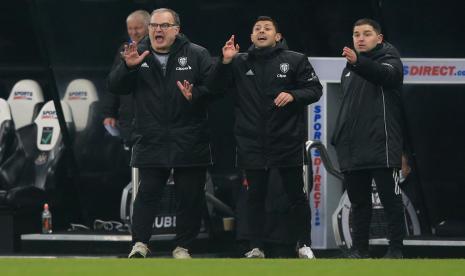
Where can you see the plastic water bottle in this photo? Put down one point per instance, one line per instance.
(46, 220)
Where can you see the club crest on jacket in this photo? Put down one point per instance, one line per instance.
(284, 67)
(182, 61)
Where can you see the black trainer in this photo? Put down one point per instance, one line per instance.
(357, 254)
(393, 253)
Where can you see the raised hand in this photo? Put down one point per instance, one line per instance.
(186, 89)
(350, 55)
(131, 56)
(283, 99)
(230, 50)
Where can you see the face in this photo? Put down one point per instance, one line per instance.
(136, 28)
(160, 39)
(365, 38)
(264, 34)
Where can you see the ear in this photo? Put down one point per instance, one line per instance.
(178, 30)
(278, 37)
(251, 38)
(380, 38)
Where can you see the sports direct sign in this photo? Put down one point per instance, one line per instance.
(434, 70)
(415, 70)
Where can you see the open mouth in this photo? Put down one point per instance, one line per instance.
(159, 38)
(261, 38)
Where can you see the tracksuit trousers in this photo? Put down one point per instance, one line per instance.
(293, 184)
(358, 184)
(189, 183)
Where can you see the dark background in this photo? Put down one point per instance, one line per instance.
(88, 32)
(79, 39)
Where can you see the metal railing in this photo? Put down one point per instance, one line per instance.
(310, 144)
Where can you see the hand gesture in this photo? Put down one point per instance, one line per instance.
(131, 56)
(350, 55)
(283, 99)
(186, 89)
(230, 50)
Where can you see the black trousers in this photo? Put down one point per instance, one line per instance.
(358, 184)
(293, 184)
(189, 186)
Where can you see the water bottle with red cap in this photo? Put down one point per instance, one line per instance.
(46, 220)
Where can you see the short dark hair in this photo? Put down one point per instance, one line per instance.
(368, 21)
(267, 18)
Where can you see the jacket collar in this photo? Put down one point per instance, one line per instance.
(264, 53)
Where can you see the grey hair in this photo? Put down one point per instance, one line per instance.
(144, 15)
(175, 15)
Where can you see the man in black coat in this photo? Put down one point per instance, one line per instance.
(118, 110)
(273, 88)
(166, 74)
(368, 133)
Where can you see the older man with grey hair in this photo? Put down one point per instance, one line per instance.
(118, 110)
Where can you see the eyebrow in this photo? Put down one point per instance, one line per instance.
(366, 31)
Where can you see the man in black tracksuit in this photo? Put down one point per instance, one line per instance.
(119, 109)
(274, 86)
(166, 73)
(368, 133)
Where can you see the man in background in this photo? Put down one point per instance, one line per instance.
(118, 110)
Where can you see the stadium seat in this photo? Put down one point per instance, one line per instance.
(27, 178)
(7, 131)
(101, 166)
(25, 100)
(81, 96)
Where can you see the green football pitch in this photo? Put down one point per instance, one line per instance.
(223, 267)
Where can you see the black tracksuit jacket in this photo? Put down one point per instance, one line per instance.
(268, 136)
(368, 132)
(170, 131)
(120, 107)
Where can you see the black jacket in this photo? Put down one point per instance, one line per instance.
(119, 107)
(170, 131)
(268, 136)
(368, 132)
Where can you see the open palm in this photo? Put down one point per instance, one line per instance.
(131, 56)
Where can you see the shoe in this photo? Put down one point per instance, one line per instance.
(357, 254)
(393, 253)
(305, 252)
(139, 250)
(255, 253)
(181, 253)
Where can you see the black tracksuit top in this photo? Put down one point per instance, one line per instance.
(169, 130)
(368, 132)
(268, 136)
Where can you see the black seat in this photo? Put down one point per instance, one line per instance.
(102, 169)
(7, 131)
(28, 177)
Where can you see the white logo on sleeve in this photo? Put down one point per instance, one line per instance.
(145, 65)
(250, 73)
(347, 75)
(312, 77)
(183, 64)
